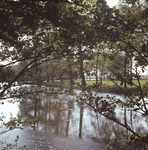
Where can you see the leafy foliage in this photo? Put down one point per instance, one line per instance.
(47, 40)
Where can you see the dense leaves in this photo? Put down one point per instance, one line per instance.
(64, 40)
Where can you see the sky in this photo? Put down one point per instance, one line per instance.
(112, 3)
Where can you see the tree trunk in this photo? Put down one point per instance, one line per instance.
(97, 70)
(125, 71)
(82, 74)
(131, 66)
(102, 72)
(121, 82)
(82, 69)
(71, 78)
(47, 77)
(101, 78)
(36, 68)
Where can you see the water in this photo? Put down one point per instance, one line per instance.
(64, 124)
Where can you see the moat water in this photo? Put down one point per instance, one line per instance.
(64, 124)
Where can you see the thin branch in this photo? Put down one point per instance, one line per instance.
(113, 119)
(132, 48)
(20, 73)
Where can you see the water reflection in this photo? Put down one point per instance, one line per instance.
(70, 106)
(81, 119)
(67, 118)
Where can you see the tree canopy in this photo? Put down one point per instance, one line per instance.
(41, 40)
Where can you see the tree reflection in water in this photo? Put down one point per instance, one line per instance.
(81, 119)
(70, 106)
(68, 118)
(65, 117)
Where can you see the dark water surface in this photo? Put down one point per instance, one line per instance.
(63, 125)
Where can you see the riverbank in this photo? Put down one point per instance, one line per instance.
(107, 86)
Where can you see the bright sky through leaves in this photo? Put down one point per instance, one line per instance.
(112, 3)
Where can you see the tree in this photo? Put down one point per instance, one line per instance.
(127, 33)
(97, 65)
(34, 36)
(29, 35)
(86, 29)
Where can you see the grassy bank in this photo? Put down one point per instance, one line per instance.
(115, 87)
(106, 87)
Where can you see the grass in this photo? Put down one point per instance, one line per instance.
(110, 86)
(107, 86)
(110, 83)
